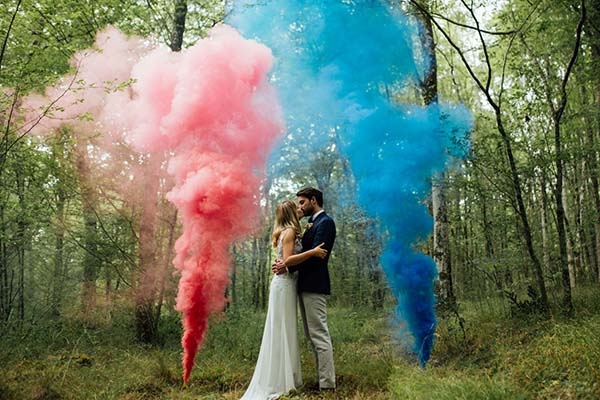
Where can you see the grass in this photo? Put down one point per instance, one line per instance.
(66, 361)
(494, 357)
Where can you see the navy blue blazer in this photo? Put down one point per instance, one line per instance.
(313, 274)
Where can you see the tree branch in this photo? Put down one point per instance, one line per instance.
(473, 28)
(470, 70)
(563, 87)
(5, 43)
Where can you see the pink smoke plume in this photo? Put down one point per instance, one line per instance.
(213, 109)
(80, 99)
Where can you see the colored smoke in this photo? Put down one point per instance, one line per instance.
(80, 100)
(211, 107)
(344, 66)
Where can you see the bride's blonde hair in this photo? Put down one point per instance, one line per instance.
(286, 217)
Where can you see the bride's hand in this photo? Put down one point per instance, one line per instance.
(320, 251)
(278, 267)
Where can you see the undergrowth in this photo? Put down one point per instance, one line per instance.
(477, 355)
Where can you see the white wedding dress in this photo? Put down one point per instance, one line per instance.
(277, 370)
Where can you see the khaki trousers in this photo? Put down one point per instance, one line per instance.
(313, 307)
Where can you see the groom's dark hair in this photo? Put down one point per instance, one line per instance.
(311, 192)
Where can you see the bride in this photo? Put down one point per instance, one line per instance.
(277, 370)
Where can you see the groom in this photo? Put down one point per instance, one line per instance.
(313, 283)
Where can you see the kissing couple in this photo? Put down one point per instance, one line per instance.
(301, 277)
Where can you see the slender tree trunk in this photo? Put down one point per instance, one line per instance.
(166, 262)
(145, 322)
(594, 190)
(560, 222)
(544, 225)
(21, 238)
(376, 277)
(265, 259)
(91, 263)
(57, 282)
(459, 257)
(569, 242)
(147, 316)
(232, 292)
(582, 261)
(487, 228)
(558, 149)
(522, 212)
(58, 277)
(4, 288)
(441, 242)
(255, 274)
(593, 124)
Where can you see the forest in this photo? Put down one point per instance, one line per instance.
(507, 208)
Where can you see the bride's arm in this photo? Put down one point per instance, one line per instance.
(289, 258)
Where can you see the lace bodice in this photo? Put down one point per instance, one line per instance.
(297, 245)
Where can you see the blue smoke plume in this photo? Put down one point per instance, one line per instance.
(350, 67)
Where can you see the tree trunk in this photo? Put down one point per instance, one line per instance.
(5, 292)
(166, 262)
(147, 311)
(261, 269)
(91, 263)
(232, 293)
(594, 121)
(582, 261)
(145, 321)
(560, 212)
(570, 242)
(21, 238)
(544, 226)
(256, 266)
(178, 25)
(560, 222)
(523, 215)
(441, 242)
(58, 277)
(594, 190)
(441, 247)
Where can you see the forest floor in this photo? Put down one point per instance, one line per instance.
(484, 354)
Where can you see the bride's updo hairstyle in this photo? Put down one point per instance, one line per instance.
(286, 217)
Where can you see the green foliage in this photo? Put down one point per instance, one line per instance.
(45, 34)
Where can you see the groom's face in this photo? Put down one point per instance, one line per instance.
(306, 206)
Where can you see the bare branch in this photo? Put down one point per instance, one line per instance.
(484, 46)
(454, 45)
(161, 19)
(5, 43)
(576, 47)
(473, 28)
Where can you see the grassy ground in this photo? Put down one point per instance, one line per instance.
(494, 357)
